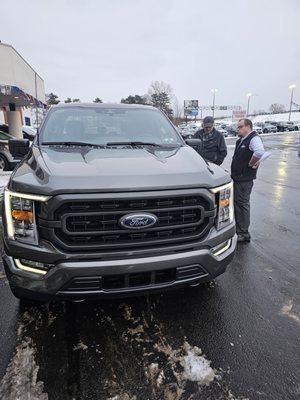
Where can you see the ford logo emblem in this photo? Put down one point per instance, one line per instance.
(138, 221)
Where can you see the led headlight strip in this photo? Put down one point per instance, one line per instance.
(225, 204)
(27, 268)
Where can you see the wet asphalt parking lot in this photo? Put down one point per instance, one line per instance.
(235, 338)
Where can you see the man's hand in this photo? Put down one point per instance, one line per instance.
(254, 162)
(256, 165)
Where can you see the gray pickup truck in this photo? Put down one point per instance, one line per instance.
(109, 200)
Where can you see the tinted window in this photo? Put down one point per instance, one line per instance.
(102, 125)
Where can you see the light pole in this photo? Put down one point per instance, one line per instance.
(214, 91)
(291, 87)
(248, 103)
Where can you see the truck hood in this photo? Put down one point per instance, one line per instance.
(53, 170)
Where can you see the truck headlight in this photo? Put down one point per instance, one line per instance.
(20, 215)
(224, 198)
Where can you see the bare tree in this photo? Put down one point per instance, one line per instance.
(177, 110)
(277, 108)
(259, 112)
(160, 95)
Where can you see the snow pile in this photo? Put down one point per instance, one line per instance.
(20, 380)
(188, 364)
(196, 367)
(295, 116)
(287, 310)
(282, 117)
(155, 375)
(80, 346)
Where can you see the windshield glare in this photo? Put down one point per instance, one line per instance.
(102, 125)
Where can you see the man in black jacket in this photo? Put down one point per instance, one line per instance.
(246, 158)
(213, 143)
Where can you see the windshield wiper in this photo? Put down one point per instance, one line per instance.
(73, 144)
(139, 144)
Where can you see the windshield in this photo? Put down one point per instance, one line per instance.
(99, 126)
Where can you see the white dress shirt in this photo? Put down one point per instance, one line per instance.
(256, 145)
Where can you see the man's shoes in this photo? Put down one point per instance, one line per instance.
(244, 238)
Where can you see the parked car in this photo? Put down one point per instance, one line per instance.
(7, 162)
(280, 125)
(291, 126)
(266, 127)
(93, 212)
(258, 129)
(297, 125)
(232, 129)
(222, 130)
(269, 128)
(186, 133)
(28, 132)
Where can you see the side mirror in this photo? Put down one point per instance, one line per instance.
(18, 148)
(197, 143)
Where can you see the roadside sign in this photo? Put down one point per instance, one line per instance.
(191, 104)
(238, 114)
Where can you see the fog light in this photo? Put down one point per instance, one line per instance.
(32, 266)
(221, 248)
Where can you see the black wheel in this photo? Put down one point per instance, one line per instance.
(296, 128)
(265, 131)
(3, 163)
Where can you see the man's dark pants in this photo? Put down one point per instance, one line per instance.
(242, 192)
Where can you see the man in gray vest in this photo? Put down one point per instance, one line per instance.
(248, 151)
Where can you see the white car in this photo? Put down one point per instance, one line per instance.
(222, 130)
(258, 129)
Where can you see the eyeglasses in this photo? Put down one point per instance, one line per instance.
(240, 126)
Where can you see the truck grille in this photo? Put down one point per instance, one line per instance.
(133, 280)
(94, 224)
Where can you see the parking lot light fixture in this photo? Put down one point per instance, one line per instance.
(291, 87)
(214, 91)
(248, 103)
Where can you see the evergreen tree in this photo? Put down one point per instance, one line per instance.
(136, 99)
(52, 99)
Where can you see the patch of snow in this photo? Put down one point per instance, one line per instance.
(20, 380)
(155, 375)
(81, 346)
(295, 116)
(196, 367)
(287, 310)
(137, 330)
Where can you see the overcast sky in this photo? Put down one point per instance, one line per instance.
(113, 48)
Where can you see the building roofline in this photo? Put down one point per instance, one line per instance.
(12, 47)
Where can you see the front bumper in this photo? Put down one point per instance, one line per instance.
(59, 280)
